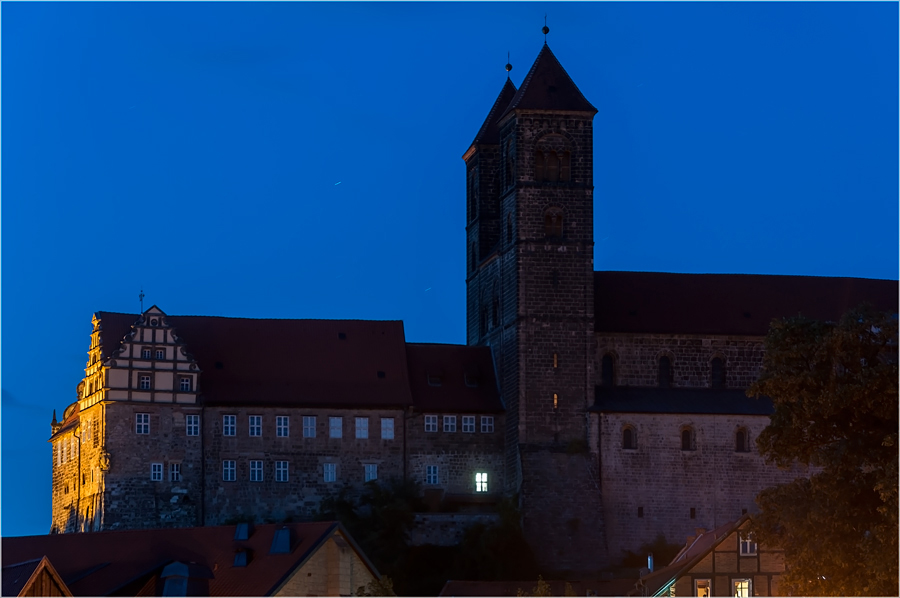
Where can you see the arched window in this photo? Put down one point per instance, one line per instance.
(741, 441)
(553, 222)
(552, 167)
(607, 377)
(717, 373)
(665, 372)
(629, 438)
(539, 166)
(687, 439)
(565, 170)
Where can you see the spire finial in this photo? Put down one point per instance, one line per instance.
(141, 297)
(545, 29)
(508, 65)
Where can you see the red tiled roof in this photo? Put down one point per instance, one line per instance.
(489, 133)
(131, 555)
(733, 304)
(547, 86)
(281, 362)
(453, 366)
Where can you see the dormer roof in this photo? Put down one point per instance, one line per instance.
(547, 86)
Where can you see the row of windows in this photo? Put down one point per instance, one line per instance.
(664, 372)
(688, 439)
(468, 423)
(742, 588)
(145, 382)
(282, 426)
(281, 471)
(148, 352)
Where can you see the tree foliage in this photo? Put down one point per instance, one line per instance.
(834, 388)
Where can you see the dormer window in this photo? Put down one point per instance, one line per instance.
(471, 380)
(434, 380)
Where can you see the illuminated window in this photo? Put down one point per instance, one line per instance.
(255, 425)
(555, 401)
(185, 385)
(256, 471)
(468, 423)
(703, 587)
(335, 428)
(145, 353)
(142, 423)
(748, 545)
(329, 472)
(145, 382)
(370, 471)
(229, 425)
(449, 423)
(387, 428)
(174, 472)
(362, 427)
(487, 424)
(282, 426)
(193, 425)
(228, 471)
(629, 439)
(481, 482)
(555, 360)
(281, 471)
(742, 588)
(431, 423)
(431, 474)
(309, 426)
(156, 470)
(160, 353)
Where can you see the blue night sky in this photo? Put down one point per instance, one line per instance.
(282, 160)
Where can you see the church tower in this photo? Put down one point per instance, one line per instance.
(530, 297)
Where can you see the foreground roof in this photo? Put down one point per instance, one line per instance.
(99, 563)
(727, 304)
(638, 399)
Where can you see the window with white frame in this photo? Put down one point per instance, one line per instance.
(228, 471)
(59, 453)
(145, 353)
(65, 449)
(229, 425)
(431, 474)
(329, 472)
(142, 423)
(282, 426)
(281, 471)
(255, 425)
(156, 470)
(309, 426)
(487, 424)
(362, 427)
(335, 427)
(481, 482)
(192, 424)
(256, 471)
(748, 544)
(468, 423)
(387, 428)
(160, 353)
(185, 384)
(371, 471)
(174, 472)
(742, 588)
(703, 588)
(449, 423)
(431, 423)
(144, 381)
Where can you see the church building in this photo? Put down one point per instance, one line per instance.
(612, 404)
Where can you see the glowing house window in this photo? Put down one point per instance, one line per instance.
(481, 482)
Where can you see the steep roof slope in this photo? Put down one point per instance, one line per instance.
(733, 304)
(462, 378)
(489, 133)
(547, 86)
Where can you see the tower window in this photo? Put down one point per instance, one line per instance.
(717, 373)
(687, 439)
(741, 441)
(555, 401)
(553, 222)
(555, 360)
(565, 170)
(665, 372)
(552, 167)
(539, 166)
(629, 440)
(607, 373)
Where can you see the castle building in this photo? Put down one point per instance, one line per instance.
(611, 403)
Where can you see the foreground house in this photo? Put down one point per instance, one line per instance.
(297, 559)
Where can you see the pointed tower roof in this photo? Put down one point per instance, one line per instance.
(489, 133)
(547, 86)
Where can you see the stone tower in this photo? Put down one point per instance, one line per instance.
(530, 297)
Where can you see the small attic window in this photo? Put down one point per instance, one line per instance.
(154, 322)
(241, 558)
(242, 531)
(281, 542)
(471, 380)
(381, 374)
(342, 336)
(434, 380)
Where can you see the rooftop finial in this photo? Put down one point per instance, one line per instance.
(545, 29)
(141, 297)
(508, 65)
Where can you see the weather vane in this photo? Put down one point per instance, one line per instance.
(141, 297)
(508, 65)
(545, 29)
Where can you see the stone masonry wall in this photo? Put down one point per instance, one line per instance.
(447, 529)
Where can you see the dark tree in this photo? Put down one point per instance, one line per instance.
(834, 387)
